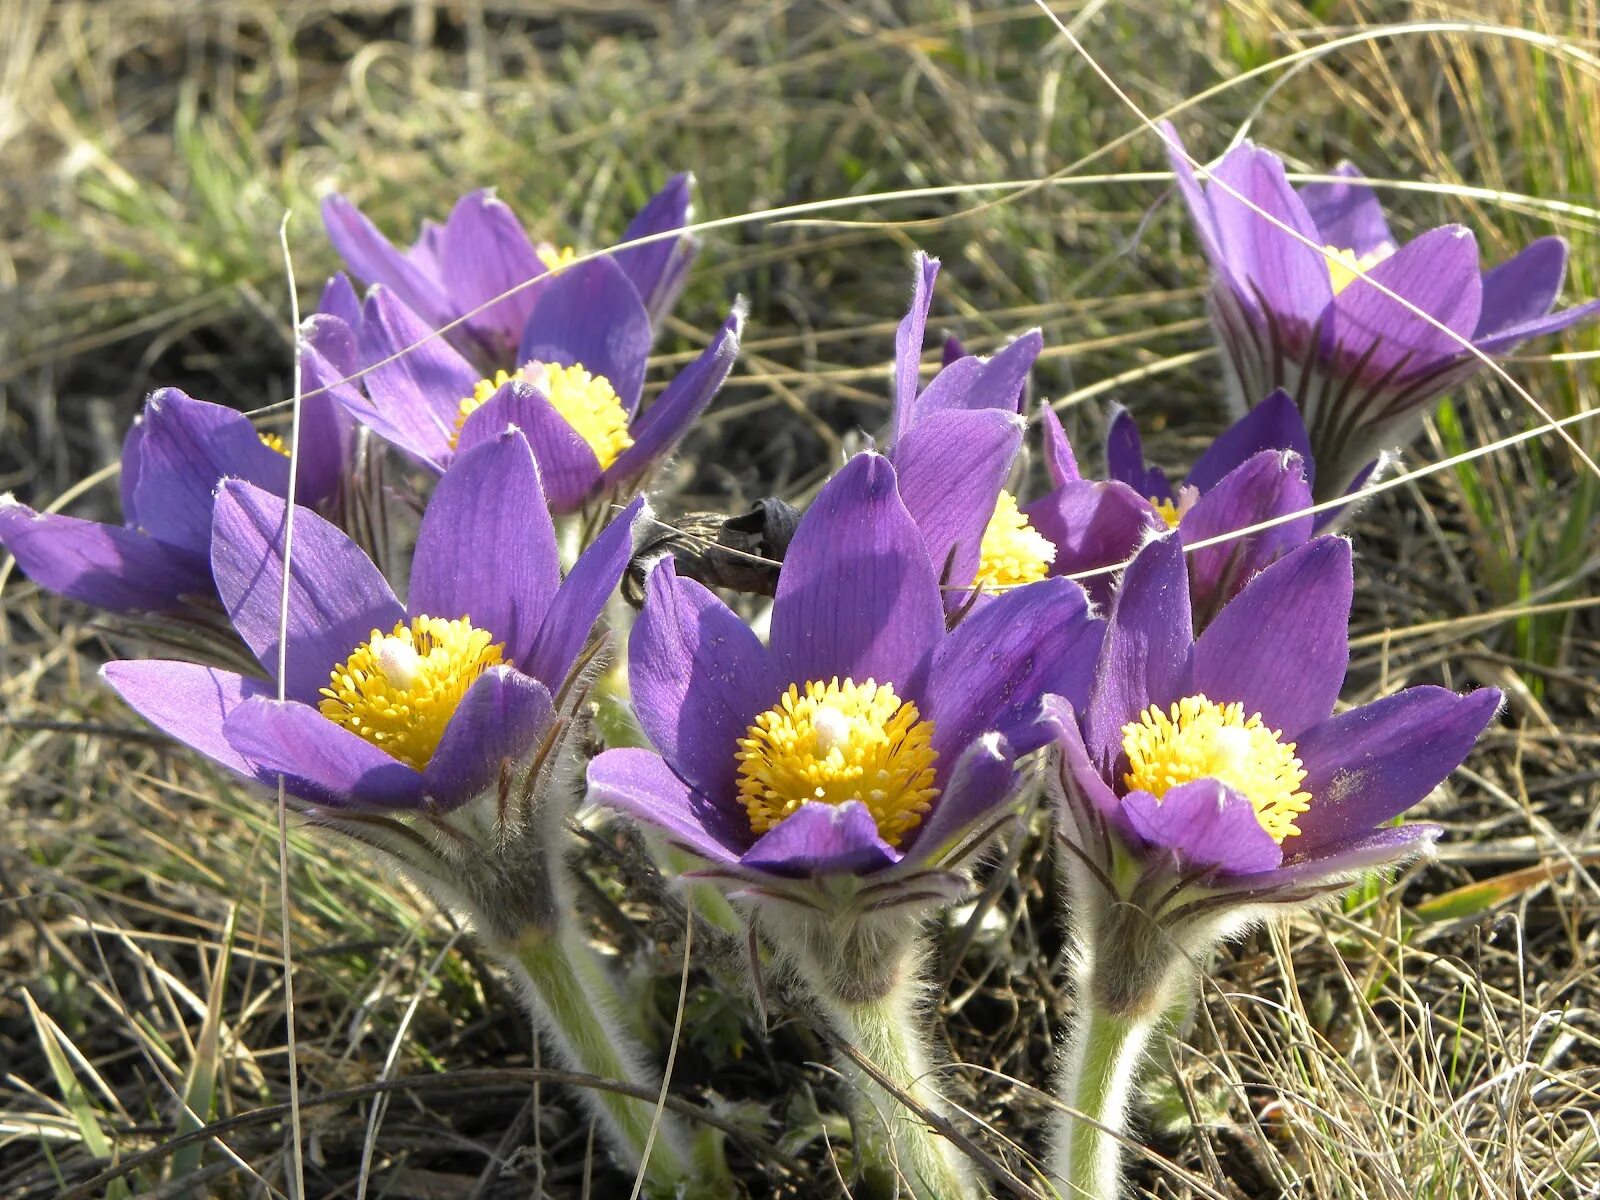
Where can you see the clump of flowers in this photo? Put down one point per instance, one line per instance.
(573, 385)
(1312, 293)
(1206, 784)
(1257, 472)
(837, 779)
(479, 265)
(179, 448)
(441, 732)
(930, 663)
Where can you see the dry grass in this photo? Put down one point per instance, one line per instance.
(1434, 1038)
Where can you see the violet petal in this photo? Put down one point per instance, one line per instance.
(981, 781)
(1206, 824)
(373, 259)
(1374, 762)
(1437, 272)
(588, 315)
(489, 254)
(336, 596)
(327, 427)
(699, 678)
(992, 669)
(1511, 336)
(951, 467)
(1340, 861)
(656, 269)
(339, 299)
(1093, 525)
(1059, 460)
(416, 380)
(1282, 645)
(1125, 452)
(908, 339)
(569, 621)
(1060, 722)
(502, 718)
(1253, 202)
(320, 761)
(857, 597)
(128, 484)
(1149, 648)
(1269, 485)
(569, 471)
(996, 382)
(658, 429)
(821, 839)
(1347, 214)
(1274, 424)
(188, 702)
(641, 784)
(1198, 203)
(187, 448)
(486, 548)
(1523, 288)
(105, 566)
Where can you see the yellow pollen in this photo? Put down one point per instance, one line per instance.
(273, 442)
(586, 402)
(1167, 510)
(1013, 552)
(1346, 266)
(556, 257)
(1200, 739)
(839, 742)
(399, 690)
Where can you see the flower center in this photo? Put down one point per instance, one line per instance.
(1167, 510)
(586, 402)
(399, 690)
(556, 257)
(1012, 552)
(1200, 739)
(273, 442)
(839, 742)
(1346, 266)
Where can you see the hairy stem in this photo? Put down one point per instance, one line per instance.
(899, 1150)
(1104, 1053)
(575, 1005)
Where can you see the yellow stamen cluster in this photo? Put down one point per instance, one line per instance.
(399, 690)
(1167, 510)
(556, 257)
(1200, 739)
(586, 402)
(1346, 266)
(839, 742)
(273, 442)
(1012, 552)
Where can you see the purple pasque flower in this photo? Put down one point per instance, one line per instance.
(573, 387)
(860, 754)
(158, 559)
(390, 706)
(953, 446)
(1217, 764)
(1257, 470)
(1302, 312)
(481, 251)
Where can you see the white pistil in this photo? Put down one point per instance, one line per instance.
(832, 727)
(399, 661)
